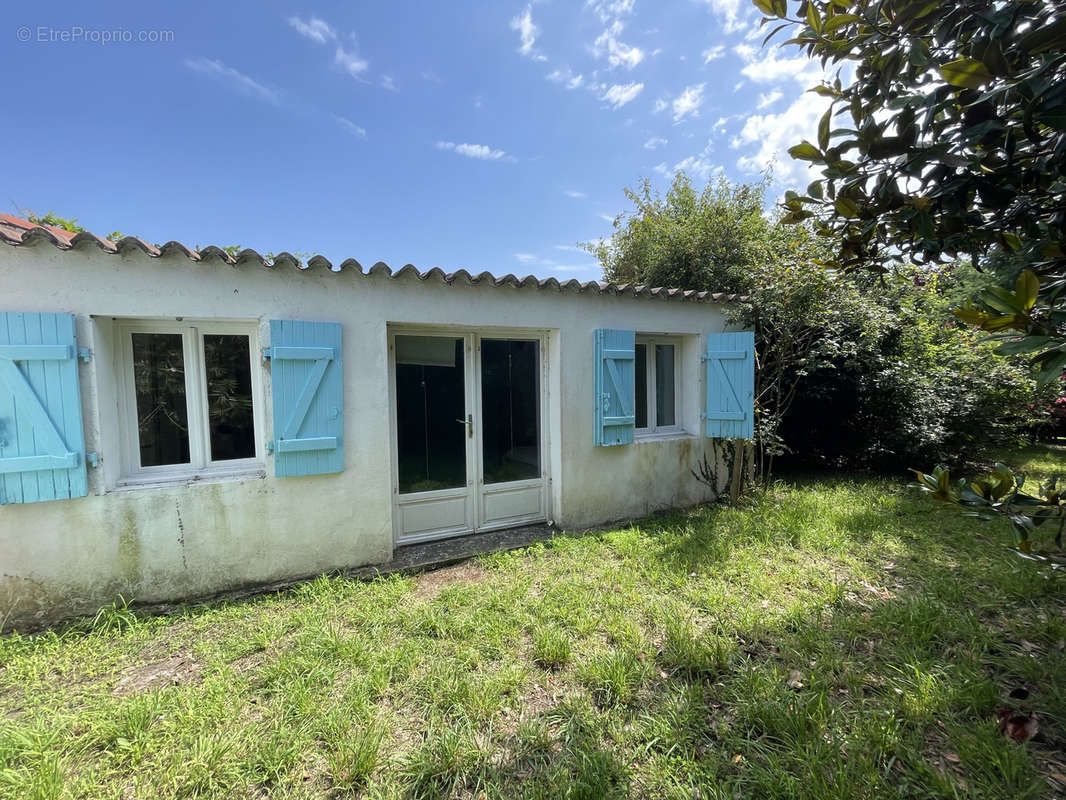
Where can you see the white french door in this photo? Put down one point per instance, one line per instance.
(468, 431)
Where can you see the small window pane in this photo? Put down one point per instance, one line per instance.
(162, 413)
(509, 408)
(228, 369)
(664, 385)
(641, 384)
(431, 430)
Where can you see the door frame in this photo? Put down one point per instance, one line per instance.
(476, 489)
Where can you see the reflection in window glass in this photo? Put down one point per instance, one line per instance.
(162, 412)
(641, 384)
(664, 385)
(509, 406)
(430, 413)
(229, 397)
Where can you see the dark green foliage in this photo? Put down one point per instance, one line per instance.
(917, 386)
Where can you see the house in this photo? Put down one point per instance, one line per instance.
(176, 423)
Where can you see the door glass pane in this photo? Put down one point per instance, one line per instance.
(510, 410)
(664, 384)
(229, 396)
(430, 401)
(641, 384)
(162, 413)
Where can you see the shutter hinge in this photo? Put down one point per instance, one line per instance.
(84, 353)
(270, 446)
(266, 353)
(92, 459)
(704, 357)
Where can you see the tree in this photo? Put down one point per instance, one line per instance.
(697, 240)
(949, 141)
(953, 143)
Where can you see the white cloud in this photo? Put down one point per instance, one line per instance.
(768, 99)
(773, 134)
(527, 34)
(606, 217)
(234, 79)
(570, 248)
(315, 29)
(729, 11)
(350, 62)
(622, 93)
(618, 53)
(566, 77)
(576, 195)
(655, 142)
(479, 151)
(764, 66)
(660, 105)
(388, 83)
(610, 9)
(699, 166)
(688, 102)
(431, 76)
(525, 258)
(351, 127)
(713, 53)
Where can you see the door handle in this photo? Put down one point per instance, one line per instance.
(469, 424)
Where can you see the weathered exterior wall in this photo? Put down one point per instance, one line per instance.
(181, 540)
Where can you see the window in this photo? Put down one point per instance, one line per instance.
(187, 399)
(658, 385)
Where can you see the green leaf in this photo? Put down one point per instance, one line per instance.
(1051, 370)
(1026, 344)
(805, 151)
(968, 73)
(846, 207)
(823, 128)
(813, 19)
(1027, 287)
(765, 6)
(839, 21)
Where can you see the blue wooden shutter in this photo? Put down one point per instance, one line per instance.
(42, 446)
(614, 400)
(730, 363)
(308, 395)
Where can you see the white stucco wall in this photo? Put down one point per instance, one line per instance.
(169, 542)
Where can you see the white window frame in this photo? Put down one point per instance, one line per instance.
(200, 465)
(653, 430)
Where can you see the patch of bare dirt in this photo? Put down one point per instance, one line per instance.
(429, 584)
(174, 671)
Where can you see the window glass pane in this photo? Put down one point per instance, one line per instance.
(664, 384)
(509, 407)
(228, 371)
(430, 402)
(162, 413)
(641, 384)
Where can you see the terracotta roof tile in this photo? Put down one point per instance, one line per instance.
(19, 232)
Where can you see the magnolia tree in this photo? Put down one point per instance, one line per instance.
(945, 137)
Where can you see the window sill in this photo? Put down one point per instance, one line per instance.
(189, 479)
(665, 436)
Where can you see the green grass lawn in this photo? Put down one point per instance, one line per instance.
(838, 638)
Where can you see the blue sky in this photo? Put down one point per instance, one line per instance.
(461, 134)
